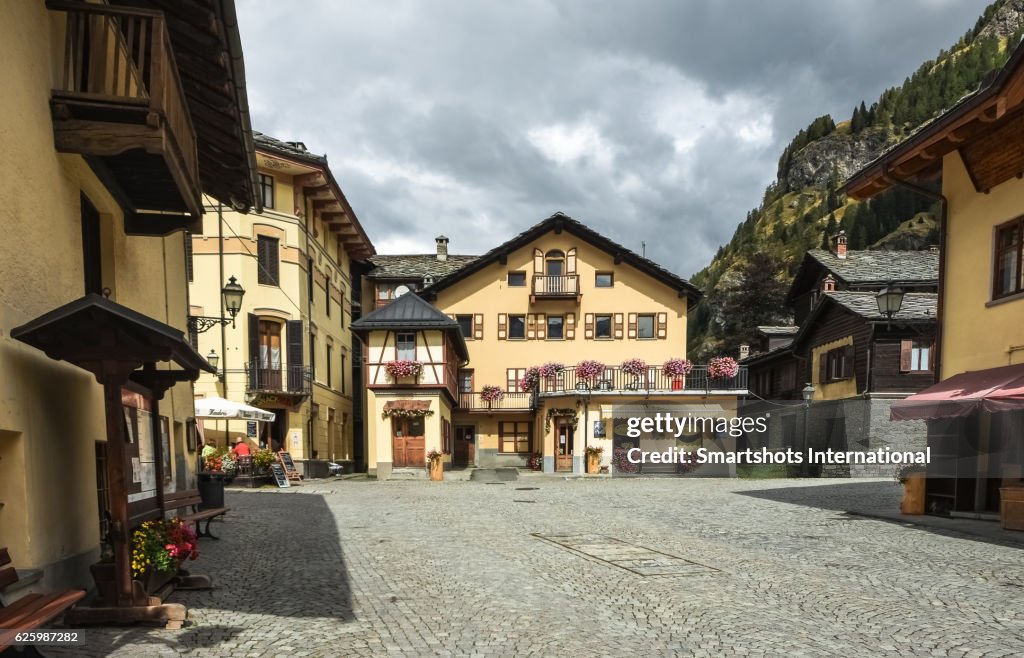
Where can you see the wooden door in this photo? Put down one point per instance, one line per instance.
(563, 445)
(407, 443)
(464, 450)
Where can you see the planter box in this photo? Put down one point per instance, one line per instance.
(593, 464)
(436, 469)
(913, 496)
(1011, 512)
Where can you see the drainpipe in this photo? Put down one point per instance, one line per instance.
(223, 327)
(943, 215)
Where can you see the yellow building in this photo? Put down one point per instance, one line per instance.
(102, 171)
(290, 349)
(971, 160)
(557, 293)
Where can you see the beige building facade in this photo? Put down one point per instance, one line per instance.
(289, 350)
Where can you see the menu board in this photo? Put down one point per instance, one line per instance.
(279, 475)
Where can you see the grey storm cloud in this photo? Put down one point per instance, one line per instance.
(653, 122)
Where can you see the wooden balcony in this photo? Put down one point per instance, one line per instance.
(615, 380)
(511, 401)
(564, 286)
(119, 102)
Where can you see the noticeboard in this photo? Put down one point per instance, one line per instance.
(279, 475)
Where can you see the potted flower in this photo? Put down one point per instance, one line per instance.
(535, 462)
(435, 466)
(491, 394)
(911, 476)
(403, 369)
(677, 370)
(158, 549)
(211, 481)
(589, 371)
(262, 461)
(637, 369)
(722, 368)
(549, 373)
(530, 379)
(594, 459)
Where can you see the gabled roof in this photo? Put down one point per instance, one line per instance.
(561, 222)
(917, 308)
(410, 313)
(778, 330)
(416, 266)
(876, 267)
(770, 355)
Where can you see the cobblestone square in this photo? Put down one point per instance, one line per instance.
(457, 569)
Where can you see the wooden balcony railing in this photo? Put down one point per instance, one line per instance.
(511, 401)
(560, 286)
(118, 95)
(654, 380)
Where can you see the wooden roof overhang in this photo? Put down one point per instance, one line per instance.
(118, 345)
(313, 179)
(208, 52)
(987, 128)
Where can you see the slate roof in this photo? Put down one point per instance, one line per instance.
(562, 222)
(411, 312)
(880, 265)
(416, 266)
(916, 305)
(779, 330)
(295, 150)
(760, 357)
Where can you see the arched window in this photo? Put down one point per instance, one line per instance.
(554, 263)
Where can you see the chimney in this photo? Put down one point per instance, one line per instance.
(841, 245)
(933, 248)
(828, 284)
(442, 247)
(744, 351)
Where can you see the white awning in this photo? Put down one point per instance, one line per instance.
(218, 407)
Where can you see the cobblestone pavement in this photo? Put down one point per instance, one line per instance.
(452, 569)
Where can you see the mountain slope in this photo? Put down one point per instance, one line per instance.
(802, 208)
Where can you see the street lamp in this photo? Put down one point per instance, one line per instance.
(213, 358)
(807, 393)
(889, 299)
(232, 293)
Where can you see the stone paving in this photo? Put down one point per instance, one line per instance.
(369, 568)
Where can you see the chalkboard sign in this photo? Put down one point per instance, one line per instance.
(250, 429)
(289, 466)
(279, 475)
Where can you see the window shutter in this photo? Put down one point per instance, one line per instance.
(632, 325)
(906, 347)
(570, 326)
(823, 368)
(662, 325)
(570, 261)
(502, 326)
(542, 326)
(531, 326)
(848, 370)
(538, 261)
(588, 325)
(254, 340)
(618, 325)
(295, 356)
(478, 326)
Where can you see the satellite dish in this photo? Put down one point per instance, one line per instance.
(401, 290)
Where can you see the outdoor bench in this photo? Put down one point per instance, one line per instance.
(190, 498)
(31, 611)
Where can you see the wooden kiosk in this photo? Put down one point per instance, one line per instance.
(122, 348)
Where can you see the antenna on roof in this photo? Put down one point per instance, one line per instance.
(643, 249)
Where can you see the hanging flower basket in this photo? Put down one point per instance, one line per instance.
(634, 367)
(723, 367)
(677, 367)
(403, 369)
(530, 379)
(490, 394)
(589, 371)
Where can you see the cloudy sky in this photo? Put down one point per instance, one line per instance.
(652, 121)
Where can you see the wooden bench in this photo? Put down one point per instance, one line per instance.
(31, 611)
(191, 499)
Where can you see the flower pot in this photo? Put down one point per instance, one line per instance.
(677, 384)
(436, 469)
(593, 464)
(1011, 508)
(913, 495)
(211, 489)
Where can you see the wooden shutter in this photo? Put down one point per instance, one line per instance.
(570, 261)
(848, 370)
(823, 368)
(618, 325)
(662, 325)
(570, 326)
(906, 350)
(478, 326)
(538, 261)
(542, 327)
(632, 325)
(502, 326)
(254, 340)
(588, 325)
(531, 326)
(295, 355)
